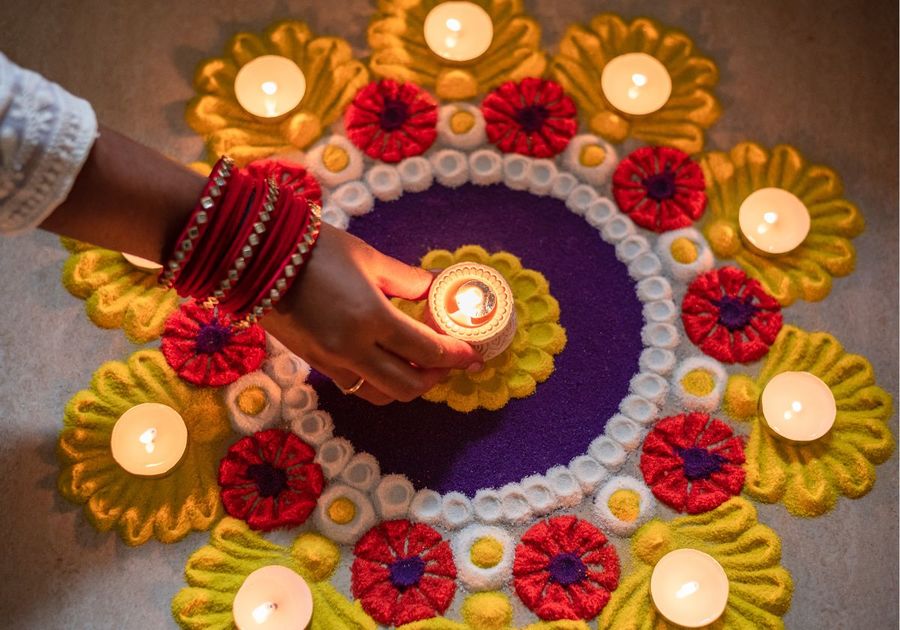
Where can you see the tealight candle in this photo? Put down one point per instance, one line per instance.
(149, 439)
(269, 86)
(773, 220)
(142, 263)
(636, 83)
(458, 31)
(273, 598)
(798, 406)
(689, 588)
(474, 303)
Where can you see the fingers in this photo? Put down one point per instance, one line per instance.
(420, 344)
(344, 379)
(396, 377)
(397, 279)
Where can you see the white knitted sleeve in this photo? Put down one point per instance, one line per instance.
(45, 137)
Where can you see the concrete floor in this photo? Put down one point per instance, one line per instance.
(821, 75)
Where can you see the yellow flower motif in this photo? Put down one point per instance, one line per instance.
(692, 108)
(117, 294)
(215, 573)
(166, 508)
(528, 361)
(332, 79)
(808, 478)
(760, 589)
(399, 50)
(806, 272)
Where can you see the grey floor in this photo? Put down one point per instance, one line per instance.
(821, 75)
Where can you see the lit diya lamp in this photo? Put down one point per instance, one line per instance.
(474, 303)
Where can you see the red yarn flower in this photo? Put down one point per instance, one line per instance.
(391, 121)
(291, 176)
(403, 572)
(660, 188)
(532, 117)
(692, 463)
(204, 349)
(730, 316)
(270, 480)
(565, 569)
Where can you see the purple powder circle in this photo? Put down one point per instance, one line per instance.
(442, 449)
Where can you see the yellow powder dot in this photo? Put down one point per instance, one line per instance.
(698, 382)
(592, 155)
(486, 552)
(252, 400)
(461, 121)
(684, 250)
(335, 158)
(342, 510)
(625, 505)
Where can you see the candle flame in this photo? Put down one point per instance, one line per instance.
(639, 79)
(147, 439)
(269, 87)
(796, 406)
(262, 612)
(687, 589)
(454, 25)
(470, 301)
(770, 217)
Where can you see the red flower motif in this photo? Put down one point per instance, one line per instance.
(403, 572)
(730, 316)
(692, 463)
(391, 121)
(660, 188)
(269, 480)
(291, 176)
(204, 349)
(565, 569)
(532, 117)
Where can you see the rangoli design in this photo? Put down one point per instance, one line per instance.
(623, 422)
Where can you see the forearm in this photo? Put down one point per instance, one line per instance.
(127, 197)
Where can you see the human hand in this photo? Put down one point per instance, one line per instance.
(337, 316)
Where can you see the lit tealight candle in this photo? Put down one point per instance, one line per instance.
(689, 588)
(474, 303)
(798, 406)
(149, 439)
(269, 86)
(774, 220)
(142, 263)
(273, 598)
(458, 31)
(636, 84)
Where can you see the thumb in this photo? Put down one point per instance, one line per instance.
(397, 279)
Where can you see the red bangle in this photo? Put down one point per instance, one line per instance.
(243, 249)
(297, 257)
(204, 268)
(198, 222)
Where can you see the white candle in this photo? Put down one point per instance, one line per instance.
(458, 31)
(689, 588)
(773, 220)
(798, 406)
(636, 84)
(142, 263)
(149, 439)
(474, 303)
(269, 86)
(273, 598)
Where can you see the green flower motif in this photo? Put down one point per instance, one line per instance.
(808, 478)
(215, 573)
(166, 508)
(116, 293)
(760, 589)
